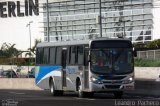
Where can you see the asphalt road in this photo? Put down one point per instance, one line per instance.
(43, 98)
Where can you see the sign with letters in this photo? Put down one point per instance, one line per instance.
(17, 9)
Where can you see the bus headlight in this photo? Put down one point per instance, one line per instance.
(95, 80)
(129, 80)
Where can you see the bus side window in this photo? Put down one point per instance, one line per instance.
(73, 55)
(80, 55)
(58, 56)
(69, 55)
(39, 57)
(52, 57)
(45, 55)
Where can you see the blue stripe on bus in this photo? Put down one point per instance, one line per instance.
(44, 70)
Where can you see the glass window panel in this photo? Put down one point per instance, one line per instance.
(46, 55)
(52, 56)
(137, 11)
(58, 55)
(147, 11)
(148, 22)
(148, 16)
(139, 17)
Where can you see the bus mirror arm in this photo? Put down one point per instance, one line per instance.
(89, 58)
(135, 53)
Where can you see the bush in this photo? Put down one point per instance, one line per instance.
(17, 61)
(146, 63)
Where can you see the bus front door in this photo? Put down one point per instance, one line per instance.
(64, 57)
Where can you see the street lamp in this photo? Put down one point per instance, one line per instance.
(47, 7)
(28, 25)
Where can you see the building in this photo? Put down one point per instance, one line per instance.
(137, 20)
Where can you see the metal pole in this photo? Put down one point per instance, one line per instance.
(47, 22)
(124, 33)
(29, 34)
(100, 18)
(28, 25)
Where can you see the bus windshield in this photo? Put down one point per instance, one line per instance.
(112, 61)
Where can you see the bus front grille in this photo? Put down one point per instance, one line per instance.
(112, 86)
(114, 77)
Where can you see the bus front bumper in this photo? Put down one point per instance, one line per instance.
(94, 87)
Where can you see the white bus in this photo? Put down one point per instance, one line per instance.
(87, 67)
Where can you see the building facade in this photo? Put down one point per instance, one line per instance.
(79, 19)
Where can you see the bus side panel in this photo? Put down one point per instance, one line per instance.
(43, 73)
(72, 72)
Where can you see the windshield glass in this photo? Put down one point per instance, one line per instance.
(112, 61)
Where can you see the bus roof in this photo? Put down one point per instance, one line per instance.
(76, 42)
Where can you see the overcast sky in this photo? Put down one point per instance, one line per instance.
(14, 30)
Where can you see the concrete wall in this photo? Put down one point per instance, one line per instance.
(18, 83)
(151, 73)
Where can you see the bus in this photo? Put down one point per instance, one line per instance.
(88, 66)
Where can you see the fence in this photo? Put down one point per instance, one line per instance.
(149, 54)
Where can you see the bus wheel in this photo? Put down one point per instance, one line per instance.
(118, 94)
(81, 94)
(52, 88)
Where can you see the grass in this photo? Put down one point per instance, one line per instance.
(146, 63)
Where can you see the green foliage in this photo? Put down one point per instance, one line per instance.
(148, 45)
(139, 45)
(8, 50)
(17, 61)
(33, 49)
(146, 63)
(153, 44)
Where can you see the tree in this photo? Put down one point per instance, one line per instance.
(32, 51)
(8, 50)
(154, 44)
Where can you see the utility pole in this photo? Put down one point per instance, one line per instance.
(100, 18)
(47, 8)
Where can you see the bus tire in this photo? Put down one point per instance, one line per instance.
(81, 94)
(52, 88)
(118, 94)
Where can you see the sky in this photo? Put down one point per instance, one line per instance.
(13, 30)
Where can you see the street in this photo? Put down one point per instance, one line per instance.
(43, 98)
